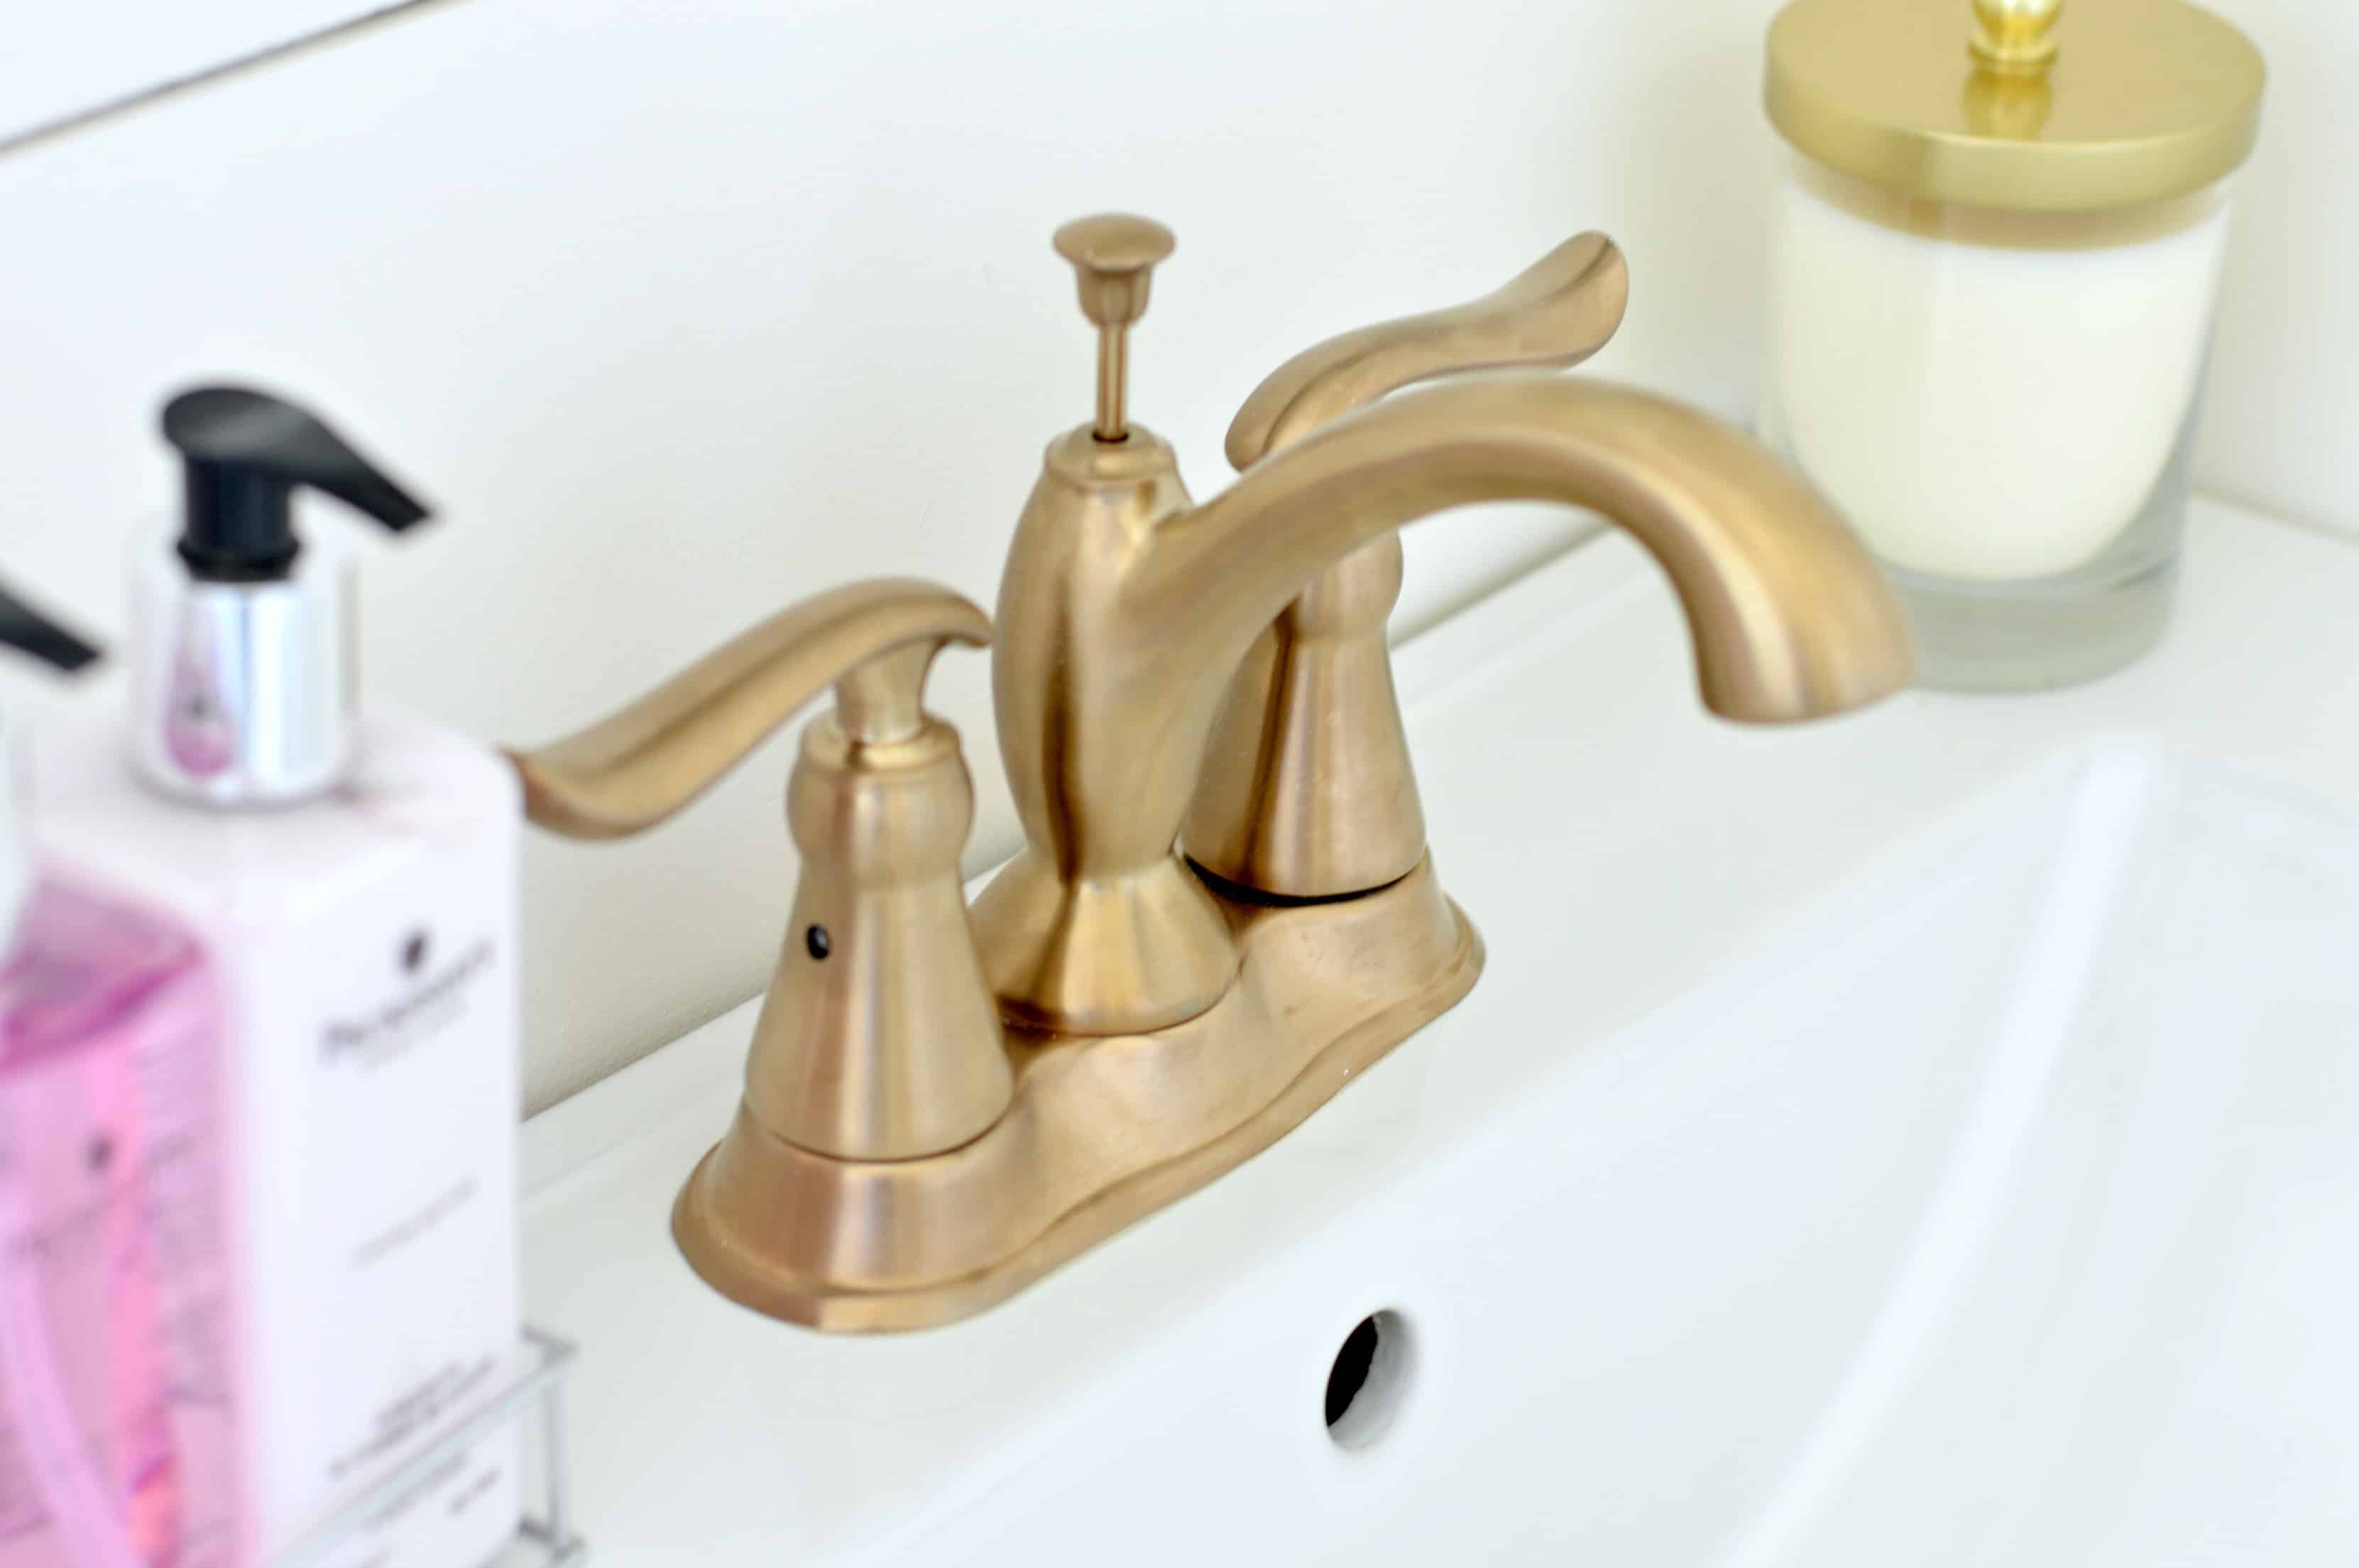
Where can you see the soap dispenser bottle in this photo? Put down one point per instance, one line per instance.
(115, 1446)
(355, 871)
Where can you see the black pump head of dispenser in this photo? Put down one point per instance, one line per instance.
(28, 631)
(244, 681)
(243, 454)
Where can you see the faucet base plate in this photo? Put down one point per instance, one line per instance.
(1103, 1130)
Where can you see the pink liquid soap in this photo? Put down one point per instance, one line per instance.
(117, 1440)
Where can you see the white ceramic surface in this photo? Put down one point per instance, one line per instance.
(1927, 1136)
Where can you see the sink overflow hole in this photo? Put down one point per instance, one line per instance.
(1369, 1375)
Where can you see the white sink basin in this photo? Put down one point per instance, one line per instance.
(1930, 1138)
(2006, 1210)
(2113, 1018)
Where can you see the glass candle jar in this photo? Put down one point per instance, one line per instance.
(1994, 255)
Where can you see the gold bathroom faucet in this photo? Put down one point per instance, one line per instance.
(1224, 908)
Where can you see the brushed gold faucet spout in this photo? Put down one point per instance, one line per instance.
(1790, 616)
(1125, 614)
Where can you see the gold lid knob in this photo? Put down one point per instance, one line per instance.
(1114, 255)
(2015, 35)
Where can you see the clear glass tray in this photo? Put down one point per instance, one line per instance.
(544, 1538)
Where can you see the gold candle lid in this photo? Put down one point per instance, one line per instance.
(2030, 104)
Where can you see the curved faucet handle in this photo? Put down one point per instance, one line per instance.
(1556, 313)
(874, 640)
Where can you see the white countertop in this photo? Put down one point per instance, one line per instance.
(1608, 837)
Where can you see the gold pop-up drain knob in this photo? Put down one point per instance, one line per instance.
(1113, 254)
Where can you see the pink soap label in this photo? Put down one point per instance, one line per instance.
(117, 1441)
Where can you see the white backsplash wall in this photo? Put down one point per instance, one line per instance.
(680, 312)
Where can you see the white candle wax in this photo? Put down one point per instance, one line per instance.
(1985, 395)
